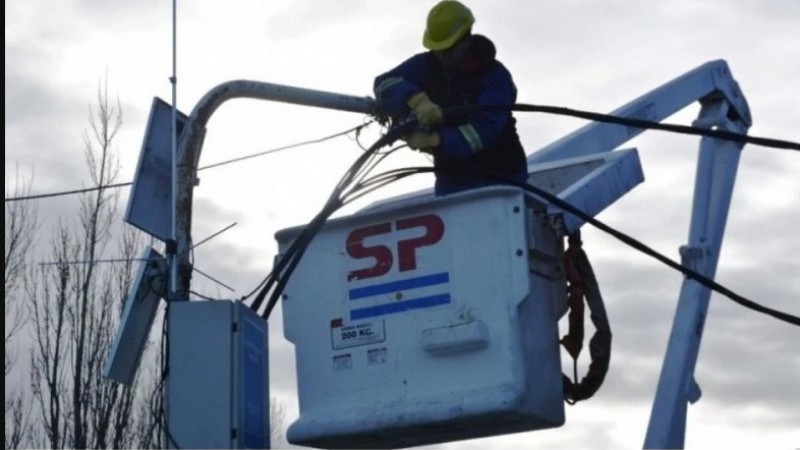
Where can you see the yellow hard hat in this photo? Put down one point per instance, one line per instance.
(448, 21)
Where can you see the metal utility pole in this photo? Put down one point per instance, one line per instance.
(184, 169)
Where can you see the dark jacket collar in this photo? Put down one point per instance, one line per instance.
(479, 58)
(482, 53)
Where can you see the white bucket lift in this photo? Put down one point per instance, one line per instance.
(433, 319)
(426, 319)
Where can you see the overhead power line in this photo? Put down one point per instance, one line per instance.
(647, 124)
(222, 163)
(641, 247)
(287, 147)
(63, 193)
(557, 110)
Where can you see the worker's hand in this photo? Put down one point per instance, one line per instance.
(428, 113)
(424, 141)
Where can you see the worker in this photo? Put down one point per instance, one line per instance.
(470, 149)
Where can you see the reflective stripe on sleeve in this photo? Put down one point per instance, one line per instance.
(472, 137)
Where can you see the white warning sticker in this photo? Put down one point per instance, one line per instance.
(376, 356)
(353, 335)
(342, 362)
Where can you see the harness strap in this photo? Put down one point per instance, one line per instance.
(583, 284)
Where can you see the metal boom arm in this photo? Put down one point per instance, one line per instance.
(724, 107)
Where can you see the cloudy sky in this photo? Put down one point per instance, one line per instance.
(592, 55)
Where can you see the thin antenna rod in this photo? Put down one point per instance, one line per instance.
(172, 252)
(213, 279)
(119, 260)
(173, 260)
(214, 235)
(174, 78)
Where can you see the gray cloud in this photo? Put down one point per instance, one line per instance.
(28, 97)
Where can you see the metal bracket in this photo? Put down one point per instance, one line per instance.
(693, 391)
(555, 222)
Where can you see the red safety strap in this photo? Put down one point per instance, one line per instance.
(582, 284)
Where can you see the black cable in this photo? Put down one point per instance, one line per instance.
(630, 241)
(556, 110)
(286, 265)
(59, 194)
(287, 147)
(164, 424)
(636, 123)
(314, 230)
(381, 180)
(296, 246)
(357, 140)
(159, 414)
(204, 297)
(281, 272)
(718, 134)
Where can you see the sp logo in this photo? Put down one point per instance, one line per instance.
(382, 255)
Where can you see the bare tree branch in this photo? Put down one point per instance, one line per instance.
(75, 310)
(48, 290)
(21, 224)
(277, 419)
(17, 421)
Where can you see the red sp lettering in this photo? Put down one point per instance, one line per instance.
(381, 253)
(434, 230)
(406, 249)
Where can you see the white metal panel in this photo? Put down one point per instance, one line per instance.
(200, 374)
(150, 202)
(590, 183)
(426, 352)
(252, 379)
(141, 305)
(218, 386)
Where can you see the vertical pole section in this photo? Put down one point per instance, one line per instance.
(173, 273)
(716, 173)
(173, 278)
(172, 257)
(188, 154)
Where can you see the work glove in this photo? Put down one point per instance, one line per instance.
(428, 113)
(424, 141)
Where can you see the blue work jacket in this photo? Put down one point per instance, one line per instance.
(478, 147)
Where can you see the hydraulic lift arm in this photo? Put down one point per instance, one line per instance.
(724, 107)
